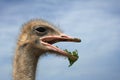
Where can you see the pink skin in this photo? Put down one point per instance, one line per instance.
(49, 40)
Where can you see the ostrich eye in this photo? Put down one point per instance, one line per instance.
(40, 29)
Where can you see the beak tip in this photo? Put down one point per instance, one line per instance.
(77, 39)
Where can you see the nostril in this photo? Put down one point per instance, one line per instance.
(63, 36)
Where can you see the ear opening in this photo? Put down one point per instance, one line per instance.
(23, 37)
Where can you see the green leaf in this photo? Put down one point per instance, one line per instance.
(74, 53)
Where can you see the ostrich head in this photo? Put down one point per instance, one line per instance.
(37, 37)
(42, 35)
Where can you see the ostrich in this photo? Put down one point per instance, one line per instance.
(36, 38)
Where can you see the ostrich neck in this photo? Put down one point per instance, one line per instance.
(25, 63)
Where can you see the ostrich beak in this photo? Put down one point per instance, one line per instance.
(49, 40)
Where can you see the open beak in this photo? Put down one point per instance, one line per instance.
(49, 40)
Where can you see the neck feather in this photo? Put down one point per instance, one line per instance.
(25, 63)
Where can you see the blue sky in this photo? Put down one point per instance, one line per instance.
(96, 22)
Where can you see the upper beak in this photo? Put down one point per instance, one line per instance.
(69, 38)
(61, 38)
(49, 40)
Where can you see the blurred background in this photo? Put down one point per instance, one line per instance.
(96, 22)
